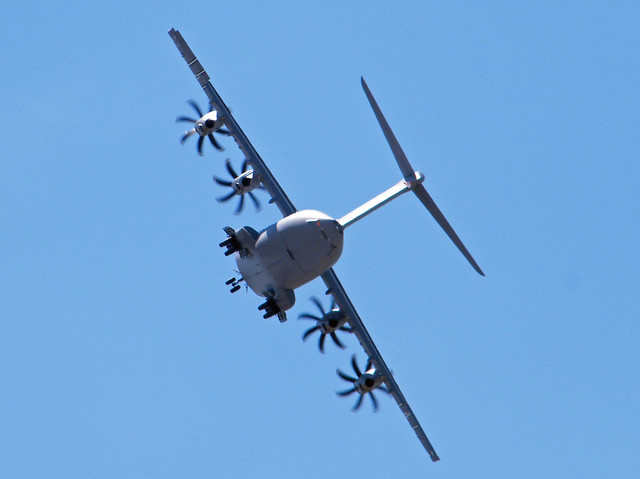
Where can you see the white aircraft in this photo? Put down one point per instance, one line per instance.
(305, 245)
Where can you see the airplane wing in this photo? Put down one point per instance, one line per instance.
(278, 196)
(337, 291)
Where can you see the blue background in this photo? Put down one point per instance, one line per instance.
(122, 354)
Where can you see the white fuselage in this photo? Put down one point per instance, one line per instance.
(290, 253)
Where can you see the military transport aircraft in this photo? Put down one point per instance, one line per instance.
(304, 245)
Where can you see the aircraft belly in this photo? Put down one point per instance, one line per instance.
(292, 252)
(312, 258)
(255, 274)
(277, 259)
(314, 240)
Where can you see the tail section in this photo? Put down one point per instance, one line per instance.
(410, 174)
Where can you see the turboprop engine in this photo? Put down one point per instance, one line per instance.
(363, 384)
(205, 126)
(242, 184)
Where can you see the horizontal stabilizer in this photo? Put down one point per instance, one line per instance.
(408, 173)
(401, 158)
(427, 201)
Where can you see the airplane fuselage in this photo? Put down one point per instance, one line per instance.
(288, 254)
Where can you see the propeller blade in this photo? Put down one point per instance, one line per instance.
(195, 107)
(230, 169)
(223, 131)
(215, 144)
(355, 367)
(244, 165)
(185, 118)
(368, 366)
(384, 389)
(318, 304)
(187, 135)
(358, 403)
(346, 329)
(240, 205)
(336, 340)
(308, 316)
(333, 303)
(346, 393)
(255, 200)
(321, 342)
(346, 377)
(200, 141)
(309, 332)
(221, 182)
(374, 401)
(225, 198)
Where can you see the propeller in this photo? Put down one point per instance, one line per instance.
(363, 383)
(327, 323)
(240, 185)
(203, 126)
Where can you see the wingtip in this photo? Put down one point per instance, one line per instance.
(472, 262)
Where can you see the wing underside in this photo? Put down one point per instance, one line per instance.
(337, 291)
(286, 207)
(278, 195)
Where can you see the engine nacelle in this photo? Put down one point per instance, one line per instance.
(332, 321)
(368, 381)
(208, 124)
(245, 183)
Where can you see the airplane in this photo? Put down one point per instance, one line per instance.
(305, 245)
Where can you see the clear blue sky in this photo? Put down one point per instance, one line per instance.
(122, 354)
